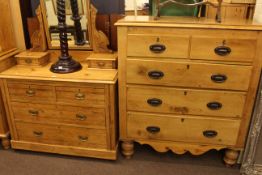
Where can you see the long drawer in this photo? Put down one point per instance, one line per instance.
(147, 45)
(185, 101)
(61, 135)
(88, 117)
(188, 74)
(185, 129)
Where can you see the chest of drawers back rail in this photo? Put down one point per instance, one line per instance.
(73, 114)
(187, 84)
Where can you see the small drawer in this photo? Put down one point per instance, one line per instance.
(183, 74)
(30, 92)
(169, 46)
(61, 135)
(32, 58)
(88, 117)
(223, 49)
(184, 129)
(89, 96)
(185, 101)
(102, 64)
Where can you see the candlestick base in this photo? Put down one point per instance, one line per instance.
(63, 66)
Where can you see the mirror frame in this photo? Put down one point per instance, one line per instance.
(98, 41)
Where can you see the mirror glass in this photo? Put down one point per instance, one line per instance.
(141, 6)
(51, 24)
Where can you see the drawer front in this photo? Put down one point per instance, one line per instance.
(222, 49)
(102, 64)
(158, 46)
(31, 92)
(61, 135)
(187, 129)
(88, 117)
(182, 74)
(185, 101)
(93, 96)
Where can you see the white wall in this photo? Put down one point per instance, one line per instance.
(258, 11)
(129, 4)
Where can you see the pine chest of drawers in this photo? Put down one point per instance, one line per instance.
(187, 84)
(71, 114)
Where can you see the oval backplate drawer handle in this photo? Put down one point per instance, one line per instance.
(38, 133)
(81, 117)
(156, 74)
(222, 50)
(157, 48)
(30, 92)
(80, 96)
(154, 102)
(153, 129)
(214, 105)
(210, 133)
(83, 138)
(219, 78)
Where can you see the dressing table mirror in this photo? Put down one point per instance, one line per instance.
(92, 39)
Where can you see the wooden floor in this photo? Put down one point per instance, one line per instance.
(145, 162)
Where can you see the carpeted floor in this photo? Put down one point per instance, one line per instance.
(145, 162)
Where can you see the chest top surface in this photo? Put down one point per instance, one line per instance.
(86, 75)
(189, 22)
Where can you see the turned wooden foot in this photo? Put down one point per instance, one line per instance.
(127, 149)
(230, 157)
(6, 143)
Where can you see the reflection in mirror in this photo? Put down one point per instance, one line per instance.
(78, 37)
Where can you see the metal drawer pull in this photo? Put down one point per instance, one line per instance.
(156, 74)
(80, 96)
(157, 48)
(214, 105)
(81, 117)
(30, 92)
(38, 133)
(219, 78)
(101, 64)
(33, 113)
(154, 102)
(222, 50)
(210, 133)
(153, 129)
(83, 138)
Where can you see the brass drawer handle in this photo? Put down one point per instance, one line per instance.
(83, 138)
(30, 92)
(81, 117)
(80, 96)
(154, 102)
(157, 48)
(101, 64)
(210, 133)
(38, 133)
(28, 61)
(33, 113)
(153, 129)
(214, 105)
(222, 50)
(219, 78)
(156, 74)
